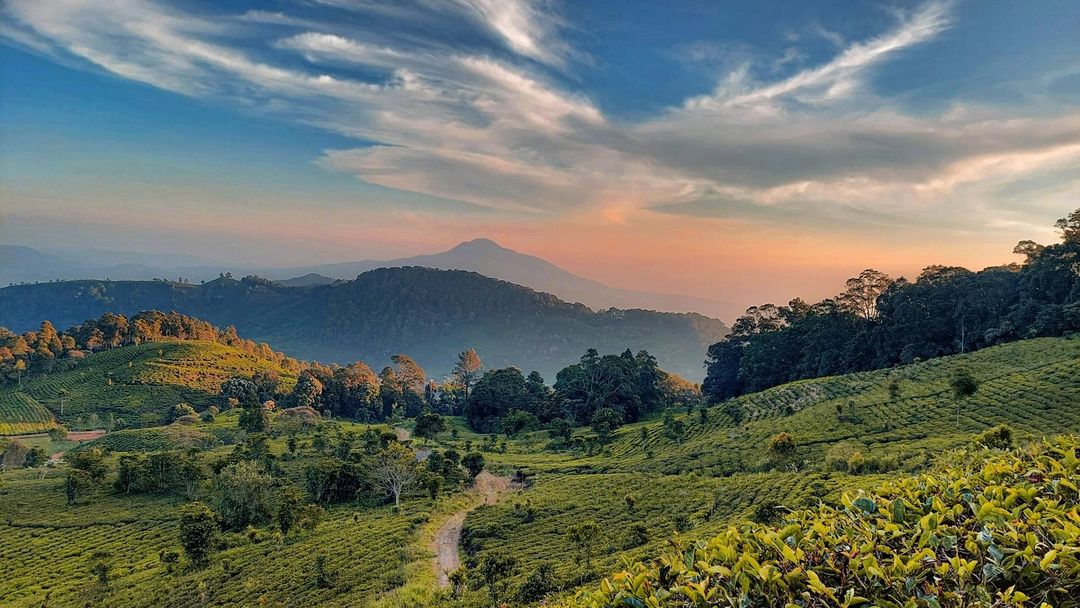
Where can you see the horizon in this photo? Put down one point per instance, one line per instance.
(748, 155)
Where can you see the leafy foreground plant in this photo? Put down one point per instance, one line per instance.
(998, 530)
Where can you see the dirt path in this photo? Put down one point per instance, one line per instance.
(448, 536)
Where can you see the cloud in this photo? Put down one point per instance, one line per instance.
(466, 100)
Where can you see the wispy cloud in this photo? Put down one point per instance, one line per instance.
(465, 100)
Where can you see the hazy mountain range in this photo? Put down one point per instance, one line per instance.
(427, 313)
(484, 256)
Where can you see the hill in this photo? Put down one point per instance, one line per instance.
(430, 314)
(137, 383)
(719, 471)
(484, 256)
(645, 485)
(491, 259)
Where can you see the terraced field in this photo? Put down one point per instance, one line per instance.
(46, 545)
(532, 525)
(1033, 385)
(717, 474)
(137, 383)
(21, 414)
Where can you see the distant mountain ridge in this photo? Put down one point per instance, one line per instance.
(491, 259)
(484, 256)
(429, 314)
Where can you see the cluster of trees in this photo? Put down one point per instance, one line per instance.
(248, 487)
(880, 322)
(354, 391)
(38, 351)
(375, 468)
(604, 391)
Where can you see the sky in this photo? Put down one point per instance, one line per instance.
(743, 151)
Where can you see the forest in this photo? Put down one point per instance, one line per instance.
(879, 322)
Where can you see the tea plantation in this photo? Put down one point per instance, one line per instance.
(588, 509)
(137, 383)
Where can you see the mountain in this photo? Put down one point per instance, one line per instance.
(493, 260)
(23, 264)
(429, 314)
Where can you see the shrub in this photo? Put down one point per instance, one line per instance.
(992, 531)
(997, 438)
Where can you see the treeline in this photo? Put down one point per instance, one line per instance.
(37, 351)
(878, 322)
(603, 390)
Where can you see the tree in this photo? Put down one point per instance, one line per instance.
(359, 397)
(474, 463)
(894, 388)
(75, 484)
(1069, 226)
(395, 471)
(584, 537)
(308, 390)
(324, 577)
(496, 569)
(467, 370)
(560, 430)
(243, 390)
(495, 394)
(517, 421)
(290, 507)
(198, 527)
(190, 472)
(538, 584)
(964, 385)
(409, 374)
(243, 495)
(131, 473)
(604, 422)
(179, 411)
(255, 418)
(429, 425)
(35, 457)
(1029, 249)
(863, 291)
(91, 461)
(999, 437)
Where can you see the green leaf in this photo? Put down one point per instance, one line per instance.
(866, 504)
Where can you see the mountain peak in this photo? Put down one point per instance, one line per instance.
(480, 244)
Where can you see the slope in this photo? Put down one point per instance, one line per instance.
(720, 471)
(430, 314)
(138, 383)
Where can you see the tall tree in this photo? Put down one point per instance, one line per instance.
(409, 373)
(395, 471)
(467, 370)
(198, 527)
(863, 291)
(1069, 226)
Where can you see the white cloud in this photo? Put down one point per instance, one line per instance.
(490, 126)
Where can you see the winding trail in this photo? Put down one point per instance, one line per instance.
(448, 537)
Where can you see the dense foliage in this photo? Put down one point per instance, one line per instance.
(1000, 530)
(38, 351)
(605, 391)
(430, 314)
(880, 323)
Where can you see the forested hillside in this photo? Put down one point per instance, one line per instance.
(429, 314)
(879, 322)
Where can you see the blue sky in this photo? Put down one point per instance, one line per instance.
(616, 138)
